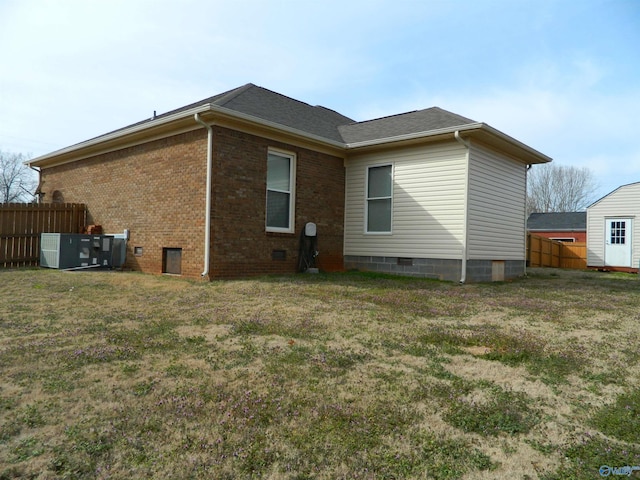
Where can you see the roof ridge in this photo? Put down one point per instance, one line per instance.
(330, 110)
(226, 97)
(449, 112)
(231, 94)
(383, 118)
(435, 107)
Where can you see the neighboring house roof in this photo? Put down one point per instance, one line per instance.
(251, 105)
(557, 222)
(628, 185)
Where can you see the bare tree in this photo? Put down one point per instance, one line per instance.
(17, 181)
(555, 188)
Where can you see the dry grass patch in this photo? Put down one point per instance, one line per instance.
(111, 375)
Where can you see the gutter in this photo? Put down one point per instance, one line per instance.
(79, 150)
(160, 121)
(116, 135)
(207, 219)
(416, 135)
(481, 130)
(526, 197)
(465, 234)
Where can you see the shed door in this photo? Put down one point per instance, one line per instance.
(617, 249)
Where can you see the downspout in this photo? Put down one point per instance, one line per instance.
(526, 198)
(207, 218)
(463, 272)
(37, 193)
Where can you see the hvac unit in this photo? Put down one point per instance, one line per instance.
(67, 251)
(119, 256)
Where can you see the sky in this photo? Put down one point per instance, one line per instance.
(562, 76)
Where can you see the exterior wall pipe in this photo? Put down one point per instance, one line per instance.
(37, 193)
(207, 219)
(463, 269)
(526, 198)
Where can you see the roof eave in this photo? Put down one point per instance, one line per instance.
(479, 131)
(575, 229)
(165, 126)
(409, 138)
(182, 121)
(118, 139)
(531, 156)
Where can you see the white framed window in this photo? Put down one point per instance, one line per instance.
(281, 174)
(618, 232)
(379, 204)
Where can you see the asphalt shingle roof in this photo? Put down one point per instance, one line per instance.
(274, 107)
(433, 118)
(557, 221)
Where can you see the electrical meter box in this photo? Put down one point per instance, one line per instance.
(67, 251)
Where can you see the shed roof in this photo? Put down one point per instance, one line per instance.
(557, 221)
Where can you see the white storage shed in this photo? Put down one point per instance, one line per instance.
(613, 230)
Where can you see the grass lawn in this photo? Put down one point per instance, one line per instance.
(353, 376)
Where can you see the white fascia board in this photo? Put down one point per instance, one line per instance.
(223, 112)
(469, 128)
(250, 119)
(413, 136)
(518, 143)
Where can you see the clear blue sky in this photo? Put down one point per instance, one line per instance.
(562, 76)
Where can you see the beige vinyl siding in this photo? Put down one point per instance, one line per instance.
(428, 203)
(621, 203)
(496, 206)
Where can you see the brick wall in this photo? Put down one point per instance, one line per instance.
(156, 190)
(240, 172)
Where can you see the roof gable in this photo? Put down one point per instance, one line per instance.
(620, 188)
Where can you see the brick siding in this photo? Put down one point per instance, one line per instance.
(240, 172)
(157, 191)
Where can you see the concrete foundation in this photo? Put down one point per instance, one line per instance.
(437, 268)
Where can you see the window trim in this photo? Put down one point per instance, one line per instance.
(292, 192)
(367, 199)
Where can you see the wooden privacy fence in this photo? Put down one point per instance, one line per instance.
(573, 255)
(544, 252)
(22, 223)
